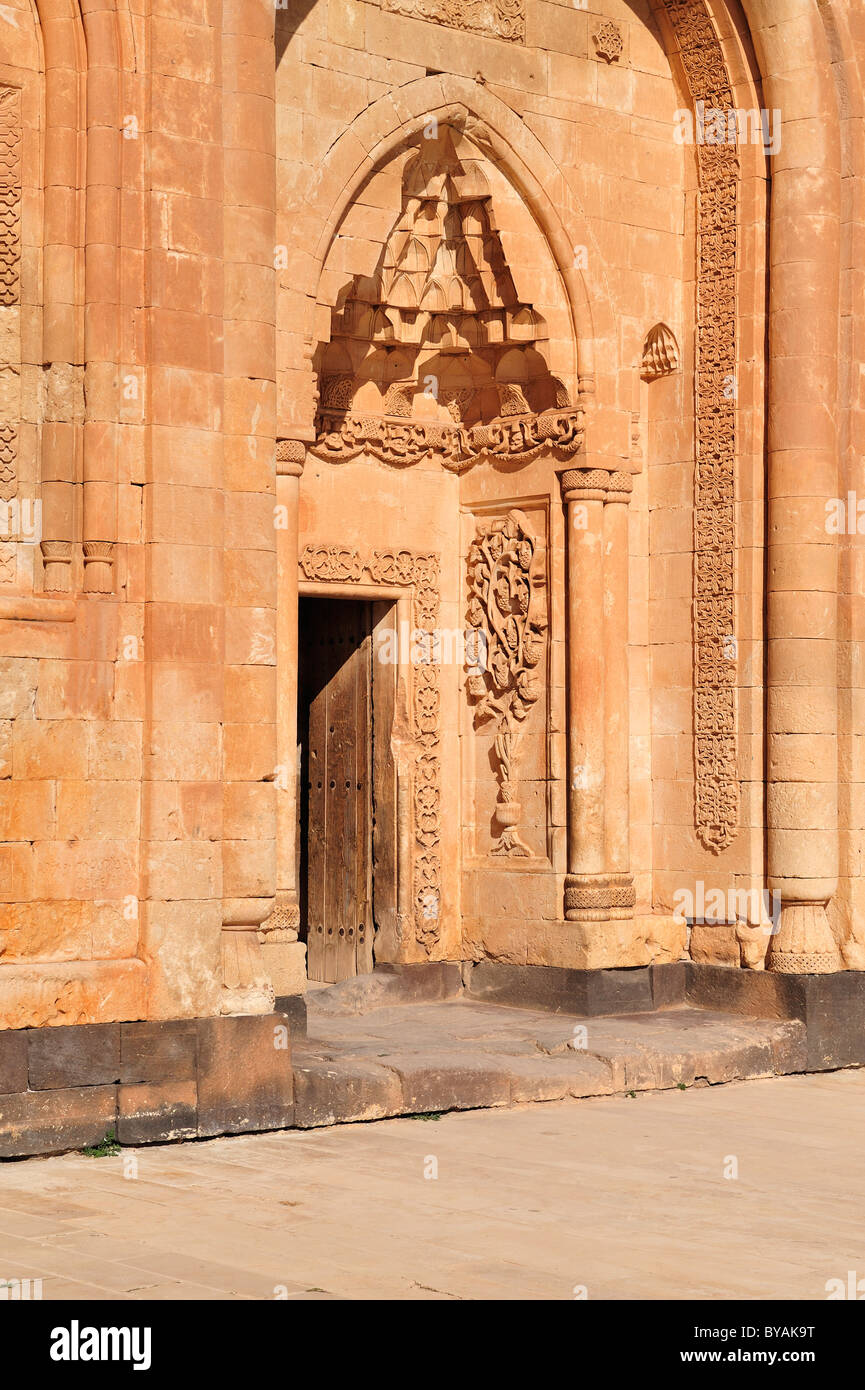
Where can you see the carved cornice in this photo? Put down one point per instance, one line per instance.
(402, 443)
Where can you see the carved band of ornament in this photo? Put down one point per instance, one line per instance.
(602, 897)
(402, 443)
(8, 457)
(601, 484)
(290, 457)
(421, 573)
(717, 793)
(10, 194)
(501, 19)
(805, 962)
(282, 925)
(10, 270)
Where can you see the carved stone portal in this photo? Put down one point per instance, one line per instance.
(508, 615)
(434, 358)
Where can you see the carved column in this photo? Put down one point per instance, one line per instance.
(598, 885)
(102, 297)
(60, 269)
(284, 955)
(249, 364)
(802, 705)
(617, 822)
(583, 493)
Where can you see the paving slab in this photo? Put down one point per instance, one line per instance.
(627, 1198)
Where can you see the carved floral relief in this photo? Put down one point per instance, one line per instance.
(508, 615)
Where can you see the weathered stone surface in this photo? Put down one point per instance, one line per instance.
(158, 1051)
(294, 1008)
(328, 1093)
(562, 991)
(157, 1112)
(244, 1074)
(86, 1055)
(750, 992)
(285, 962)
(59, 993)
(679, 1047)
(450, 1080)
(39, 1122)
(559, 1078)
(835, 1020)
(13, 1062)
(669, 983)
(391, 984)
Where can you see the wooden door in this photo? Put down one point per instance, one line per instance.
(336, 786)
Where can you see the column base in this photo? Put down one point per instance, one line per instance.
(246, 986)
(804, 944)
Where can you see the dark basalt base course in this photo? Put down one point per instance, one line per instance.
(151, 1082)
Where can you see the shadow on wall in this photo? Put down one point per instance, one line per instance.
(289, 15)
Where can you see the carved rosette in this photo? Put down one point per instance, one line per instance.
(507, 611)
(608, 41)
(715, 667)
(406, 569)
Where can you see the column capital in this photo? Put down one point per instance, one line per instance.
(595, 485)
(290, 457)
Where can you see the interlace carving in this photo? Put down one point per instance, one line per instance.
(715, 666)
(499, 19)
(10, 269)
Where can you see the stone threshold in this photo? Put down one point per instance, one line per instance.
(426, 1039)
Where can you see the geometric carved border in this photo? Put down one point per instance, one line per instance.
(715, 665)
(407, 569)
(10, 268)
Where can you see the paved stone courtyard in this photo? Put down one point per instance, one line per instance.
(627, 1198)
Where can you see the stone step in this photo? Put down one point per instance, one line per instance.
(461, 1055)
